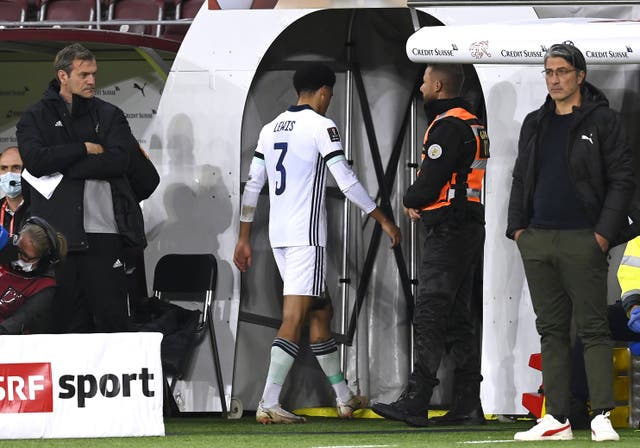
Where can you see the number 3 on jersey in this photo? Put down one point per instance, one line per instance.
(280, 167)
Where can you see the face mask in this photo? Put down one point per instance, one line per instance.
(20, 265)
(11, 183)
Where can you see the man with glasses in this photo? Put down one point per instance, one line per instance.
(572, 185)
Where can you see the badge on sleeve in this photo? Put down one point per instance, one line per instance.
(434, 151)
(334, 135)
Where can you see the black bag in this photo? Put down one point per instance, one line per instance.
(178, 325)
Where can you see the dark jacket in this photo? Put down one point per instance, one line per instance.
(142, 175)
(51, 140)
(599, 159)
(458, 145)
(13, 222)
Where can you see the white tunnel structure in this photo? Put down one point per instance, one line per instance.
(233, 73)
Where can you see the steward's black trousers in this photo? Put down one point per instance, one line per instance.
(451, 255)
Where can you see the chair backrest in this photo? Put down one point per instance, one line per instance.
(137, 10)
(185, 9)
(263, 4)
(189, 8)
(12, 11)
(72, 10)
(186, 273)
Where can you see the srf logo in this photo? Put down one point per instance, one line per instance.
(26, 387)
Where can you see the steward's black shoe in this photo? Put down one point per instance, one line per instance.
(417, 420)
(456, 417)
(413, 402)
(392, 411)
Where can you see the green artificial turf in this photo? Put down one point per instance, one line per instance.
(214, 432)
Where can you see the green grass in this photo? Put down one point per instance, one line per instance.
(214, 432)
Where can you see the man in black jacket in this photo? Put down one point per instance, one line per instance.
(446, 198)
(85, 144)
(572, 184)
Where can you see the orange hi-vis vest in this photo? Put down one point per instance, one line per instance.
(471, 187)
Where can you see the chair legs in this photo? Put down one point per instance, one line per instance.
(218, 371)
(216, 361)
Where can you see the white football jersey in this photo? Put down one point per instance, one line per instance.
(295, 150)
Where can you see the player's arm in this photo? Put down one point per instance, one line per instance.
(329, 145)
(257, 178)
(355, 192)
(388, 226)
(242, 252)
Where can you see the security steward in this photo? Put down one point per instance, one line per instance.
(446, 198)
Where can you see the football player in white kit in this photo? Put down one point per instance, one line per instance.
(293, 154)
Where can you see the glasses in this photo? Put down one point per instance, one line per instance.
(21, 253)
(23, 256)
(561, 72)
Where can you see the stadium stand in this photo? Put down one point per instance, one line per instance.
(168, 19)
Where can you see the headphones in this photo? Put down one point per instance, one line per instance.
(52, 255)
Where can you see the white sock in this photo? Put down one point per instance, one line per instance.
(283, 354)
(327, 355)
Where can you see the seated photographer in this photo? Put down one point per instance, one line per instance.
(27, 284)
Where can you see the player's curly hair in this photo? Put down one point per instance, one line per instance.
(312, 76)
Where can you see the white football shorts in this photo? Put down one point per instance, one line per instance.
(302, 269)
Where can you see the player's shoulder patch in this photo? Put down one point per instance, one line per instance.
(434, 151)
(334, 135)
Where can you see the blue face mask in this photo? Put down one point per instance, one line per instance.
(11, 183)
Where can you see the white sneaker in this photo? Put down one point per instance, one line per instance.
(345, 410)
(548, 428)
(601, 428)
(276, 414)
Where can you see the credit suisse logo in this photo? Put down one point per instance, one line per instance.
(26, 387)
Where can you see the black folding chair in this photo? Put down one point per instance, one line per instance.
(191, 277)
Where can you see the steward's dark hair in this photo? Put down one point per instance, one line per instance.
(452, 76)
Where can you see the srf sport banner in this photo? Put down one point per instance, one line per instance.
(80, 385)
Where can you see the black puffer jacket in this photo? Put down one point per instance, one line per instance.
(51, 140)
(599, 158)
